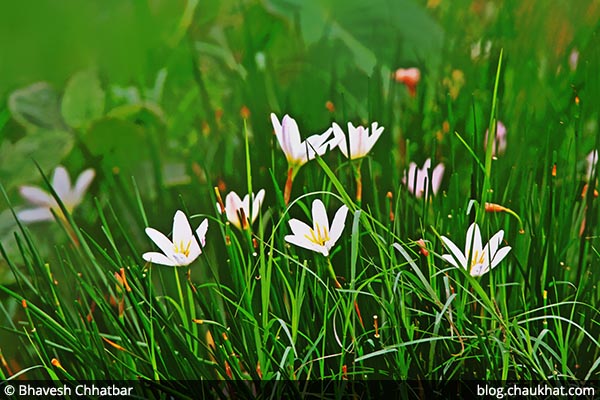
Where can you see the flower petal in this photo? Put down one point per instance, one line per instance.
(337, 226)
(375, 134)
(450, 259)
(319, 215)
(61, 182)
(233, 204)
(299, 228)
(306, 244)
(436, 177)
(257, 203)
(201, 232)
(456, 253)
(494, 243)
(341, 137)
(83, 182)
(499, 256)
(161, 241)
(195, 250)
(290, 141)
(37, 196)
(157, 258)
(473, 242)
(182, 231)
(35, 215)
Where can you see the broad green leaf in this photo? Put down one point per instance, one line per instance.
(46, 147)
(120, 143)
(83, 100)
(364, 26)
(36, 106)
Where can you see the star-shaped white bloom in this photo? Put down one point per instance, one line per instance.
(422, 178)
(359, 138)
(183, 249)
(477, 259)
(297, 151)
(238, 210)
(321, 237)
(71, 197)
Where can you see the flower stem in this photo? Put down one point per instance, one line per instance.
(332, 274)
(358, 177)
(288, 186)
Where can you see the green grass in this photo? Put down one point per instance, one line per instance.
(253, 306)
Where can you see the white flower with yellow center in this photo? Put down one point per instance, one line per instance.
(183, 249)
(238, 211)
(477, 259)
(320, 237)
(360, 140)
(45, 203)
(297, 151)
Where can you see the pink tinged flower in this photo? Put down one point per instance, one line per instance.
(360, 140)
(417, 180)
(320, 237)
(45, 203)
(476, 258)
(238, 211)
(184, 247)
(410, 77)
(297, 151)
(499, 145)
(592, 163)
(573, 59)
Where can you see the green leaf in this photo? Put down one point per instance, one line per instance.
(36, 106)
(83, 100)
(120, 143)
(46, 147)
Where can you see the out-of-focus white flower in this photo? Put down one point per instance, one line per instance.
(260, 60)
(238, 211)
(410, 77)
(360, 140)
(298, 151)
(321, 237)
(417, 180)
(477, 259)
(592, 163)
(499, 145)
(480, 50)
(183, 249)
(71, 197)
(573, 59)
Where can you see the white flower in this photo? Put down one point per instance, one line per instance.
(499, 145)
(238, 210)
(573, 59)
(592, 162)
(296, 151)
(477, 259)
(420, 178)
(183, 249)
(71, 197)
(321, 237)
(361, 142)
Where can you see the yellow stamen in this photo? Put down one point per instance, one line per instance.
(477, 259)
(183, 248)
(319, 237)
